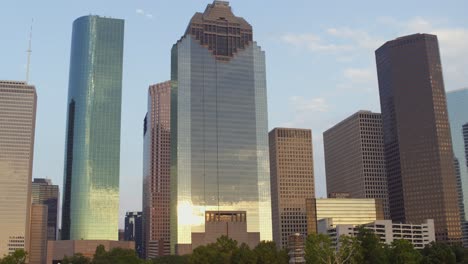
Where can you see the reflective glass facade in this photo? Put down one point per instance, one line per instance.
(457, 104)
(92, 154)
(417, 140)
(18, 102)
(219, 143)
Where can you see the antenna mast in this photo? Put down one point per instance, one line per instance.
(29, 51)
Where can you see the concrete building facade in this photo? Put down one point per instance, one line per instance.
(39, 234)
(292, 181)
(419, 235)
(18, 102)
(354, 158)
(44, 192)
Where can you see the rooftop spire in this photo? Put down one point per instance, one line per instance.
(29, 51)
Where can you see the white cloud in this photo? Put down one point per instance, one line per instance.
(359, 38)
(360, 75)
(313, 43)
(142, 12)
(311, 105)
(452, 44)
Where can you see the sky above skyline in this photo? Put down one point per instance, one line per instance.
(320, 62)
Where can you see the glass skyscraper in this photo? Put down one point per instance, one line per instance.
(219, 134)
(92, 151)
(457, 104)
(416, 132)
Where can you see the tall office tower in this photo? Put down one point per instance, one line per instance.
(417, 140)
(354, 158)
(90, 207)
(156, 172)
(457, 104)
(17, 125)
(292, 181)
(133, 230)
(219, 127)
(39, 224)
(44, 192)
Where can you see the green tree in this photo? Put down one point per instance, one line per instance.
(76, 259)
(373, 251)
(173, 259)
(205, 254)
(243, 255)
(319, 249)
(18, 257)
(349, 251)
(218, 252)
(267, 253)
(435, 253)
(403, 252)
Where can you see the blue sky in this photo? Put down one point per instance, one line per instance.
(320, 62)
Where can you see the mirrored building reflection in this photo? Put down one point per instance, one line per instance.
(92, 149)
(219, 143)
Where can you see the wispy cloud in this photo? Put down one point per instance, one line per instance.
(311, 105)
(313, 43)
(452, 42)
(142, 12)
(358, 37)
(359, 75)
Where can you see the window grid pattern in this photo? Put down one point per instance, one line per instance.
(354, 158)
(292, 181)
(92, 155)
(17, 125)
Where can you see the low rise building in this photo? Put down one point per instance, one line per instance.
(58, 249)
(344, 211)
(419, 235)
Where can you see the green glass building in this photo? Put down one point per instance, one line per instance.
(92, 151)
(219, 127)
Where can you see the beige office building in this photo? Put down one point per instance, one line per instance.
(38, 246)
(343, 211)
(17, 124)
(292, 181)
(354, 158)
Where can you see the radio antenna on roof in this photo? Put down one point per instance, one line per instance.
(29, 51)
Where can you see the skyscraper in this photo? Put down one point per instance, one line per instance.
(38, 249)
(417, 140)
(17, 125)
(219, 144)
(156, 171)
(44, 192)
(354, 158)
(133, 230)
(457, 104)
(292, 181)
(92, 150)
